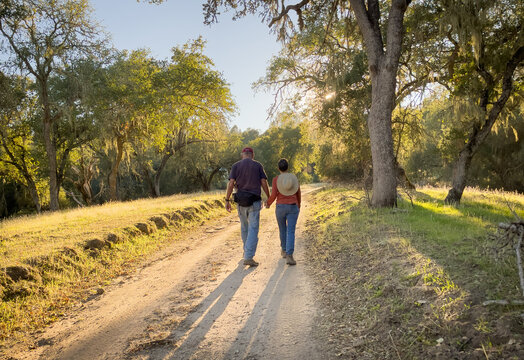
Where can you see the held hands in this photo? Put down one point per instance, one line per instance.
(228, 205)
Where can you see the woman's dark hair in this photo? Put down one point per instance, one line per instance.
(283, 165)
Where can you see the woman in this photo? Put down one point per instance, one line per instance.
(286, 191)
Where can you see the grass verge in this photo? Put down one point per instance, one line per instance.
(409, 282)
(56, 261)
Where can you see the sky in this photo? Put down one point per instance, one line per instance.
(241, 50)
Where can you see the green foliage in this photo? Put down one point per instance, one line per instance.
(19, 155)
(163, 124)
(291, 141)
(500, 160)
(498, 164)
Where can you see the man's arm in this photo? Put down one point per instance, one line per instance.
(230, 186)
(263, 182)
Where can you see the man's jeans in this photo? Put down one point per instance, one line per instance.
(249, 221)
(287, 216)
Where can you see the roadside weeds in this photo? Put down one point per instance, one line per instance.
(390, 287)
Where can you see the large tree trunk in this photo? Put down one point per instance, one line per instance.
(383, 65)
(379, 125)
(480, 133)
(113, 175)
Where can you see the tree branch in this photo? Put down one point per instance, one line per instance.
(297, 8)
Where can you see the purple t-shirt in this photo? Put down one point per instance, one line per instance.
(247, 174)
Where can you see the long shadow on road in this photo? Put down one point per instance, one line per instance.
(263, 316)
(209, 310)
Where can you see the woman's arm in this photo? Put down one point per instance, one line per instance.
(274, 192)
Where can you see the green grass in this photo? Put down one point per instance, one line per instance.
(420, 271)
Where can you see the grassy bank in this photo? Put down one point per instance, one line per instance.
(54, 261)
(409, 282)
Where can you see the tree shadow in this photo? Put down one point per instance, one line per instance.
(465, 258)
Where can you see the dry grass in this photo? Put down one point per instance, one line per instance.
(36, 235)
(63, 272)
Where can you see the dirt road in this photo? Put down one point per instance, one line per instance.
(196, 300)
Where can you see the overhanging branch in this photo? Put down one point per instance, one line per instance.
(297, 8)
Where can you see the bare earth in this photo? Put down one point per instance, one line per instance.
(196, 300)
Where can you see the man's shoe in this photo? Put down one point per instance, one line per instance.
(250, 262)
(290, 260)
(283, 253)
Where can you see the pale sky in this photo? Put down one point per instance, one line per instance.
(240, 49)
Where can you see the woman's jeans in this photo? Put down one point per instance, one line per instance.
(287, 216)
(249, 221)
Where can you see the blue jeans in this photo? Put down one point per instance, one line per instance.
(249, 221)
(287, 216)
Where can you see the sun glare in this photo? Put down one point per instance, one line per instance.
(330, 96)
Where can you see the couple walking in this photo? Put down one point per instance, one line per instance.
(248, 176)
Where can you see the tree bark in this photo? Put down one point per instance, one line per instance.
(383, 66)
(113, 175)
(379, 125)
(480, 133)
(149, 180)
(31, 186)
(86, 192)
(206, 184)
(156, 179)
(50, 148)
(459, 177)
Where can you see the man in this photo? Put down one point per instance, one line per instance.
(247, 175)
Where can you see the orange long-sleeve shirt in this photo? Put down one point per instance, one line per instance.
(283, 199)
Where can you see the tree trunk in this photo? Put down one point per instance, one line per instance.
(50, 147)
(31, 186)
(146, 175)
(379, 125)
(51, 158)
(161, 168)
(459, 177)
(480, 133)
(4, 211)
(206, 183)
(383, 63)
(86, 192)
(113, 175)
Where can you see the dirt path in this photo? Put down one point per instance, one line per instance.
(197, 301)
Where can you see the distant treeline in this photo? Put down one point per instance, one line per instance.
(82, 123)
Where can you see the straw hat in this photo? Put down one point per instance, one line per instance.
(287, 184)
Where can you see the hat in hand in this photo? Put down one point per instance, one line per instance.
(287, 184)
